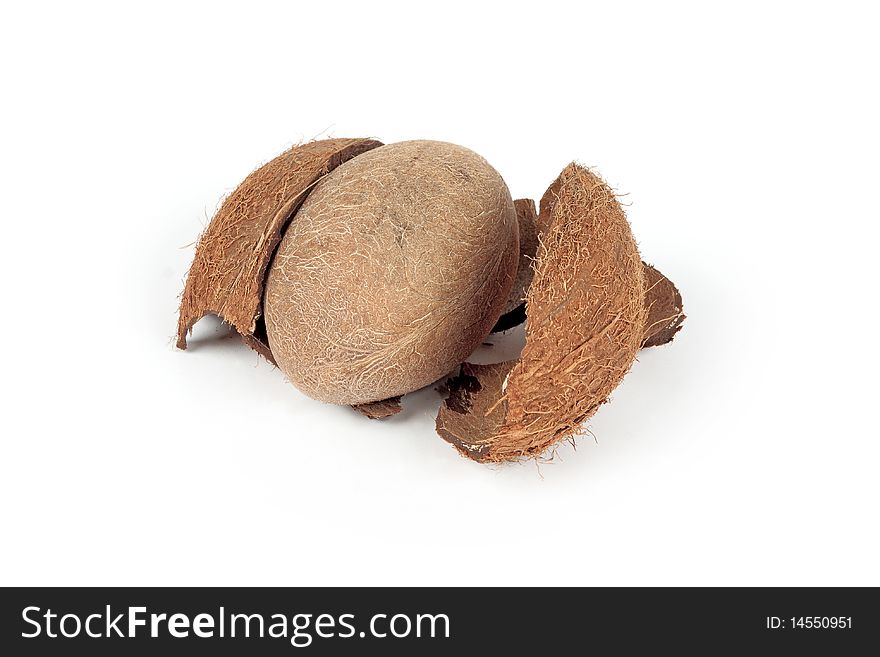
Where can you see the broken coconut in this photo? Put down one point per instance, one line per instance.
(591, 304)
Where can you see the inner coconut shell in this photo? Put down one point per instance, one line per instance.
(664, 306)
(586, 321)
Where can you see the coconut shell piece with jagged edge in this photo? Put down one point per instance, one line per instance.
(664, 306)
(227, 277)
(586, 322)
(228, 273)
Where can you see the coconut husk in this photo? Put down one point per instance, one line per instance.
(514, 312)
(663, 303)
(586, 318)
(379, 410)
(662, 298)
(229, 269)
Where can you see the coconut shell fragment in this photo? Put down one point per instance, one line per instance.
(473, 415)
(586, 320)
(379, 410)
(229, 269)
(664, 306)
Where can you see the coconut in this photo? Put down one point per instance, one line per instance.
(395, 268)
(662, 299)
(586, 321)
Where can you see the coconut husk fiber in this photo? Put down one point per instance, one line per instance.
(228, 273)
(662, 298)
(586, 321)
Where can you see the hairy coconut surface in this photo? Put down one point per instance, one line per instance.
(515, 309)
(396, 267)
(586, 320)
(662, 299)
(664, 306)
(229, 269)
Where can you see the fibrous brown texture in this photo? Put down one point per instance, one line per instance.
(397, 266)
(229, 269)
(586, 318)
(662, 298)
(663, 303)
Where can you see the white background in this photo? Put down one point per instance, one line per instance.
(746, 140)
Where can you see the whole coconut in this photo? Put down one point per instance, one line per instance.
(395, 268)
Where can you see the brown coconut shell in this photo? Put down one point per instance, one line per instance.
(586, 320)
(664, 306)
(662, 298)
(228, 273)
(379, 410)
